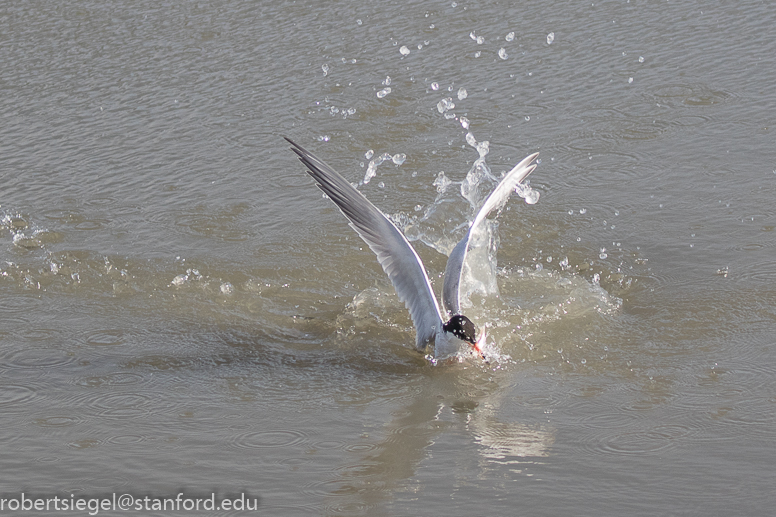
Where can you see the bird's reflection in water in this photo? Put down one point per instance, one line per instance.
(447, 404)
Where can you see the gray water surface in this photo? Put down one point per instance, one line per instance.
(180, 309)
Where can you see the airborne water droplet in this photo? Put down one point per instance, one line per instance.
(462, 93)
(404, 51)
(510, 36)
(502, 53)
(550, 38)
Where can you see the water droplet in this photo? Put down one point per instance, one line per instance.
(464, 122)
(418, 208)
(399, 158)
(527, 118)
(381, 184)
(387, 80)
(603, 254)
(441, 182)
(445, 105)
(359, 22)
(616, 212)
(502, 53)
(641, 59)
(369, 154)
(404, 51)
(325, 69)
(226, 288)
(462, 93)
(435, 86)
(323, 138)
(382, 93)
(583, 211)
(532, 197)
(477, 54)
(510, 36)
(550, 38)
(571, 212)
(630, 80)
(470, 139)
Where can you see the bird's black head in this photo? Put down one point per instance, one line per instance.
(462, 328)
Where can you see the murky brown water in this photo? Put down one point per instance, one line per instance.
(180, 309)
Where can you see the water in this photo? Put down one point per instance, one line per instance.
(180, 309)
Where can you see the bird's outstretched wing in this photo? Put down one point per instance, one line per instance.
(394, 252)
(451, 288)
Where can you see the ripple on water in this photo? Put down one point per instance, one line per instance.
(687, 95)
(267, 439)
(223, 224)
(111, 379)
(118, 405)
(58, 421)
(637, 441)
(108, 337)
(14, 395)
(19, 304)
(36, 358)
(126, 439)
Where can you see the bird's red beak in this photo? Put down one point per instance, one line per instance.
(477, 346)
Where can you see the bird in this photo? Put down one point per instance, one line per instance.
(446, 330)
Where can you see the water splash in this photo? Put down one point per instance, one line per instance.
(446, 104)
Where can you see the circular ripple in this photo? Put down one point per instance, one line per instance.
(643, 441)
(119, 405)
(106, 338)
(19, 304)
(610, 420)
(268, 439)
(58, 421)
(11, 394)
(360, 447)
(327, 444)
(111, 379)
(40, 334)
(126, 439)
(37, 358)
(48, 459)
(121, 400)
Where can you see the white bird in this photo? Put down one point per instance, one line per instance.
(403, 265)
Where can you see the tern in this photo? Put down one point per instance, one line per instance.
(447, 331)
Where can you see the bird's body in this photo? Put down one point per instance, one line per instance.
(447, 331)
